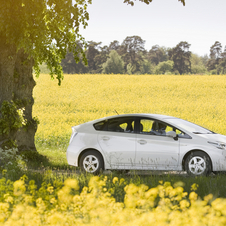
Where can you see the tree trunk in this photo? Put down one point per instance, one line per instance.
(23, 93)
(16, 84)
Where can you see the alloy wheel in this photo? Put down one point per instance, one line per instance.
(197, 165)
(90, 163)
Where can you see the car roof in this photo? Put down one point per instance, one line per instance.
(155, 116)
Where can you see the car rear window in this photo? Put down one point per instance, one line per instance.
(99, 125)
(123, 124)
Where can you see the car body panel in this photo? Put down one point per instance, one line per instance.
(118, 148)
(156, 152)
(79, 144)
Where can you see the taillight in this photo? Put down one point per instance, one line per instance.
(74, 132)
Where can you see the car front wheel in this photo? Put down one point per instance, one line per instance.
(198, 164)
(91, 162)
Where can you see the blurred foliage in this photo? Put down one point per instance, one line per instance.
(11, 119)
(91, 201)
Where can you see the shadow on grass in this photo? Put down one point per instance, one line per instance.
(36, 161)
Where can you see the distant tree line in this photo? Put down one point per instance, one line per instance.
(130, 57)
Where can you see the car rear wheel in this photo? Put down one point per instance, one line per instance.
(198, 164)
(91, 162)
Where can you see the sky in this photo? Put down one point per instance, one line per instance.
(162, 22)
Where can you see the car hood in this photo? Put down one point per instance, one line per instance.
(213, 137)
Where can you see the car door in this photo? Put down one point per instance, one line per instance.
(118, 141)
(154, 149)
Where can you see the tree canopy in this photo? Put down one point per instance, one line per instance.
(32, 32)
(138, 60)
(44, 29)
(181, 57)
(114, 64)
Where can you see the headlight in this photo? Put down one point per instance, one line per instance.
(218, 144)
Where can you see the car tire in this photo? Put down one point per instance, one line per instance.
(198, 164)
(91, 162)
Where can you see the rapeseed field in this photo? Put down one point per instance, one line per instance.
(81, 98)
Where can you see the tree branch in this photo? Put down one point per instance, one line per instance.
(131, 2)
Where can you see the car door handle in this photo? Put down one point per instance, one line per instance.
(142, 141)
(106, 138)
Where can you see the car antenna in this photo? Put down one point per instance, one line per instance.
(116, 112)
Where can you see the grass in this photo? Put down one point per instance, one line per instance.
(56, 159)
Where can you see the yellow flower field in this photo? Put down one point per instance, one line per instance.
(163, 205)
(84, 97)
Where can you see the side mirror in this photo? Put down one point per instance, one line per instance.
(172, 134)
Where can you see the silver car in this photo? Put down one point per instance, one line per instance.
(146, 142)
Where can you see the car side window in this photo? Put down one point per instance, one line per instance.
(146, 126)
(121, 125)
(154, 127)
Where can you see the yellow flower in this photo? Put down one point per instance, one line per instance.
(19, 187)
(193, 196)
(184, 204)
(50, 189)
(115, 179)
(194, 187)
(122, 180)
(72, 183)
(8, 198)
(208, 198)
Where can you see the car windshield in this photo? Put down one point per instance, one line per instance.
(190, 127)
